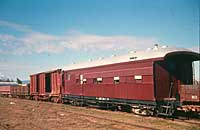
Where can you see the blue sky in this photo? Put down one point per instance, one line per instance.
(38, 35)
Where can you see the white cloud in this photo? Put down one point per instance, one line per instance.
(13, 69)
(37, 42)
(96, 42)
(20, 68)
(30, 43)
(18, 27)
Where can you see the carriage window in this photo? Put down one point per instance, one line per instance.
(97, 80)
(84, 81)
(116, 80)
(138, 78)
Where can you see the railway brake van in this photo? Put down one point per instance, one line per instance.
(155, 81)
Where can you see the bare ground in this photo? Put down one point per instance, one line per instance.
(18, 114)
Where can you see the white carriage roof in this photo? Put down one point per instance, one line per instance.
(150, 53)
(8, 84)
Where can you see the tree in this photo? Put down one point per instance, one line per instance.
(19, 81)
(7, 80)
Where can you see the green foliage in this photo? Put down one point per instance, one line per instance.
(19, 81)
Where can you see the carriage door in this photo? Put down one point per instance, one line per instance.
(165, 80)
(172, 67)
(161, 81)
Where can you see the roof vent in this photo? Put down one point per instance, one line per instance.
(113, 55)
(133, 58)
(131, 52)
(165, 46)
(155, 47)
(148, 49)
(100, 58)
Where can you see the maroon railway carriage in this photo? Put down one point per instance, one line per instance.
(148, 81)
(46, 85)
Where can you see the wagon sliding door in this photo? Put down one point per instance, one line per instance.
(33, 84)
(48, 82)
(55, 83)
(37, 83)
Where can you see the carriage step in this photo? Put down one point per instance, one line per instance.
(165, 114)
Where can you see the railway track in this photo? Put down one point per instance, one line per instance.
(46, 115)
(126, 124)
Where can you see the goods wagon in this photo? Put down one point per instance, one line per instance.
(6, 88)
(46, 85)
(12, 89)
(21, 91)
(157, 80)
